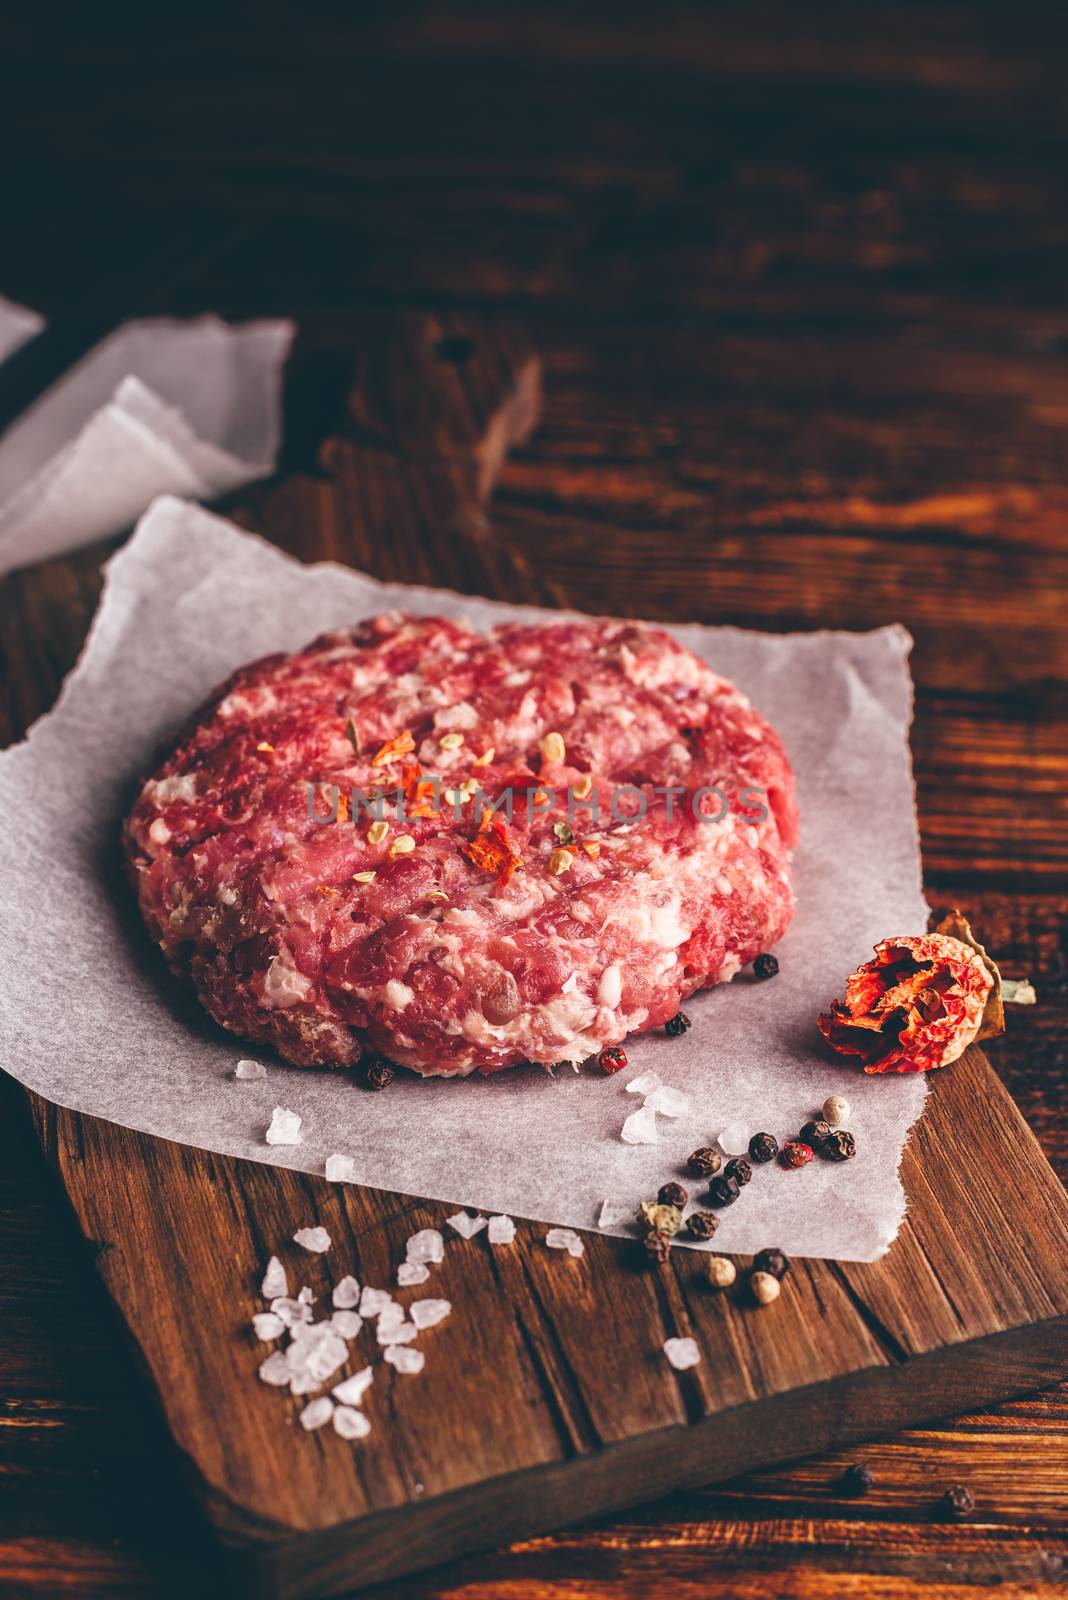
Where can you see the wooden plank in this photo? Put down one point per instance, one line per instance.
(546, 1396)
(553, 1399)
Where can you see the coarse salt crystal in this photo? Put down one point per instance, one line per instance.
(352, 1391)
(428, 1313)
(466, 1225)
(615, 1211)
(268, 1326)
(391, 1316)
(645, 1084)
(315, 1239)
(374, 1301)
(284, 1127)
(682, 1353)
(250, 1071)
(275, 1369)
(411, 1272)
(304, 1383)
(640, 1127)
(733, 1139)
(346, 1294)
(669, 1102)
(426, 1246)
(316, 1412)
(351, 1424)
(292, 1312)
(501, 1230)
(275, 1282)
(340, 1169)
(316, 1352)
(397, 1333)
(565, 1239)
(404, 1359)
(346, 1323)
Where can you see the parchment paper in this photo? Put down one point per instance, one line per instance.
(158, 407)
(91, 1019)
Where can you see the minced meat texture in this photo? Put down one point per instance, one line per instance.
(478, 942)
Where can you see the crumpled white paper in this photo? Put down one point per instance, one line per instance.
(90, 1018)
(158, 407)
(17, 325)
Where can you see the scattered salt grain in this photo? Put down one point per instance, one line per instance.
(615, 1211)
(411, 1272)
(1018, 992)
(565, 1239)
(501, 1230)
(275, 1369)
(465, 1224)
(250, 1071)
(346, 1294)
(352, 1391)
(291, 1312)
(682, 1353)
(316, 1412)
(340, 1169)
(640, 1127)
(284, 1128)
(275, 1281)
(397, 1333)
(669, 1102)
(428, 1313)
(315, 1239)
(316, 1352)
(305, 1297)
(268, 1326)
(391, 1316)
(645, 1084)
(733, 1139)
(426, 1246)
(346, 1323)
(374, 1301)
(304, 1383)
(405, 1360)
(351, 1424)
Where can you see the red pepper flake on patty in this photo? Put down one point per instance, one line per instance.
(491, 849)
(919, 1003)
(393, 749)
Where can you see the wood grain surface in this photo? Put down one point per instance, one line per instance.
(797, 288)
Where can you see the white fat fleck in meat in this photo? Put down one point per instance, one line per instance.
(228, 897)
(666, 926)
(164, 791)
(283, 985)
(723, 884)
(159, 833)
(516, 680)
(610, 988)
(397, 995)
(457, 719)
(731, 965)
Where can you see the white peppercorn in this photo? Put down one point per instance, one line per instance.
(835, 1110)
(765, 1288)
(721, 1272)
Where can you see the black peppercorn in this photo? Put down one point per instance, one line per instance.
(773, 1261)
(704, 1163)
(765, 966)
(763, 1147)
(378, 1073)
(839, 1145)
(857, 1479)
(657, 1247)
(723, 1191)
(958, 1502)
(739, 1169)
(672, 1194)
(676, 1026)
(701, 1224)
(815, 1134)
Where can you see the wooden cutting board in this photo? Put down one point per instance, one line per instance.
(546, 1397)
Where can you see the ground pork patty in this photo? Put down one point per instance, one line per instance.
(423, 939)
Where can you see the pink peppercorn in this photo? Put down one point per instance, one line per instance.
(612, 1058)
(795, 1154)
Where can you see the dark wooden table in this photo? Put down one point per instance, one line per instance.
(797, 282)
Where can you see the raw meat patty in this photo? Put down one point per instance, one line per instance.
(425, 939)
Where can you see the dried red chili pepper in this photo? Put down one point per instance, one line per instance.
(918, 1005)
